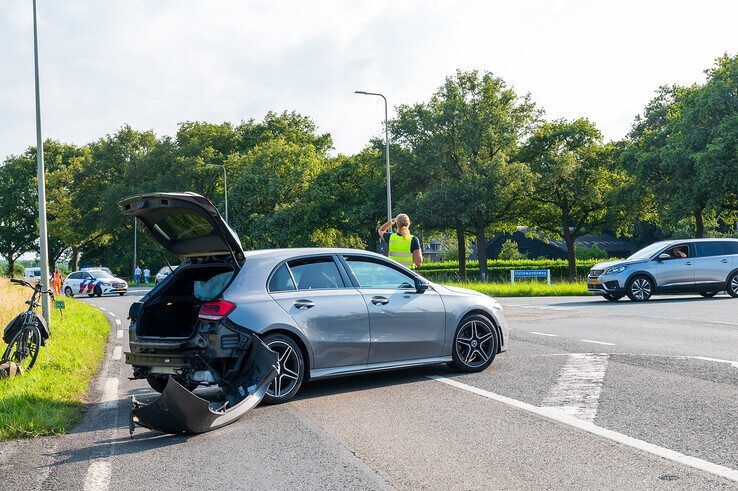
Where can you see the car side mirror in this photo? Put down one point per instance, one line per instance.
(421, 285)
(664, 257)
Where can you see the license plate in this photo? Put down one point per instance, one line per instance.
(119, 288)
(593, 281)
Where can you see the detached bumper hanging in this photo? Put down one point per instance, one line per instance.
(177, 410)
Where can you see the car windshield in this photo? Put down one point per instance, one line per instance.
(100, 274)
(646, 252)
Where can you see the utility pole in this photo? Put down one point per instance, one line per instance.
(135, 245)
(42, 234)
(386, 150)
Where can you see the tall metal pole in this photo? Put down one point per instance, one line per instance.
(135, 245)
(386, 150)
(225, 192)
(42, 234)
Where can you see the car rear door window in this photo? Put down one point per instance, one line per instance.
(731, 246)
(281, 280)
(316, 273)
(706, 249)
(371, 274)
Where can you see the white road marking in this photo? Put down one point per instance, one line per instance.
(102, 308)
(596, 342)
(117, 322)
(112, 314)
(577, 391)
(544, 334)
(119, 334)
(117, 352)
(561, 417)
(98, 476)
(110, 390)
(716, 360)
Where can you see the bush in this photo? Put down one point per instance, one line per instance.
(510, 251)
(584, 252)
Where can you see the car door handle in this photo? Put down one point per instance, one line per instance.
(304, 304)
(688, 263)
(723, 260)
(379, 300)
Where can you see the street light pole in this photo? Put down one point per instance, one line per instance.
(386, 150)
(42, 234)
(135, 245)
(225, 188)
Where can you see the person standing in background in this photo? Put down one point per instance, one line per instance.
(147, 273)
(137, 275)
(403, 246)
(56, 282)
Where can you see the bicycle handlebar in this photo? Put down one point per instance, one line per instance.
(37, 286)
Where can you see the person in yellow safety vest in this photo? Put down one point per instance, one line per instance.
(403, 247)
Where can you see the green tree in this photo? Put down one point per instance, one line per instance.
(461, 175)
(18, 231)
(574, 182)
(510, 251)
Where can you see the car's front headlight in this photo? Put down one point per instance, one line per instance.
(615, 270)
(105, 283)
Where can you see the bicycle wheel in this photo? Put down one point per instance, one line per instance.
(23, 348)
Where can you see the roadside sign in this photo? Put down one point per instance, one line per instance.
(530, 273)
(59, 304)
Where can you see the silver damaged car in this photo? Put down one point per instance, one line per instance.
(259, 324)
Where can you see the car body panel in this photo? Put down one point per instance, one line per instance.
(84, 283)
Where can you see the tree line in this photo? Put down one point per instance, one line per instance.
(475, 159)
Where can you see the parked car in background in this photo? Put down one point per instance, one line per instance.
(704, 266)
(32, 273)
(93, 282)
(163, 273)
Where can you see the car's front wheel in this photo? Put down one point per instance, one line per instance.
(291, 369)
(640, 289)
(733, 285)
(68, 292)
(475, 344)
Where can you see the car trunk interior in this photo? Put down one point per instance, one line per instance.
(173, 311)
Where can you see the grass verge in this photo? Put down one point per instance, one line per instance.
(525, 289)
(49, 398)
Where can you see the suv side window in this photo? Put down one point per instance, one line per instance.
(374, 274)
(706, 249)
(731, 246)
(73, 276)
(316, 273)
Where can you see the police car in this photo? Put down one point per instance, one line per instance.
(93, 282)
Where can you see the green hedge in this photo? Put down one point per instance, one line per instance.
(500, 269)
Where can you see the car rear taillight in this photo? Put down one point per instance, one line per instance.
(217, 310)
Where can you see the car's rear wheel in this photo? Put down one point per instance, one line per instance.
(708, 294)
(68, 292)
(98, 291)
(640, 289)
(612, 298)
(475, 344)
(291, 369)
(733, 285)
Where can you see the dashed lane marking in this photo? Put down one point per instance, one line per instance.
(716, 360)
(544, 334)
(119, 334)
(596, 342)
(117, 322)
(98, 476)
(117, 352)
(112, 314)
(578, 388)
(561, 417)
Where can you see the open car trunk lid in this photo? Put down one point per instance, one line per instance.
(186, 224)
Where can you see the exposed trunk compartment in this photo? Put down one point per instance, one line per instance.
(172, 311)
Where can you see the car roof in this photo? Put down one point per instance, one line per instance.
(279, 254)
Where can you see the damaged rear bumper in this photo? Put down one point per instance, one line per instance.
(177, 410)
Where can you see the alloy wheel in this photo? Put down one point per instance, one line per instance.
(734, 284)
(289, 369)
(641, 288)
(475, 343)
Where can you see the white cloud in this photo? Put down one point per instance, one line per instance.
(155, 64)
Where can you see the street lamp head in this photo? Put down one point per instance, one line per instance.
(360, 92)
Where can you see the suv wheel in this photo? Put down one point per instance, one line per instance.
(291, 369)
(733, 285)
(475, 344)
(640, 289)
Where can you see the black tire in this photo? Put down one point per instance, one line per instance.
(708, 294)
(122, 293)
(612, 298)
(291, 369)
(732, 286)
(24, 352)
(475, 344)
(158, 382)
(640, 288)
(97, 291)
(68, 292)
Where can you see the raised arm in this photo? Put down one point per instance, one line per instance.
(385, 227)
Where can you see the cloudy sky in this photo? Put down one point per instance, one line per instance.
(157, 63)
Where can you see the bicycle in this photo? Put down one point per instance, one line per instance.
(27, 332)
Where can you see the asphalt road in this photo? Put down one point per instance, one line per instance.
(590, 394)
